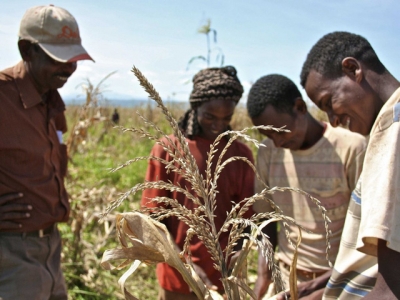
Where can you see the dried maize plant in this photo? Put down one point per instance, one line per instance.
(89, 113)
(84, 245)
(145, 239)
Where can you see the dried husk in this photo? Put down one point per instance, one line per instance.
(146, 240)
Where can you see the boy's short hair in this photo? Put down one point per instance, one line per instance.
(276, 90)
(326, 56)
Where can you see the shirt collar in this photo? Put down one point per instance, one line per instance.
(28, 93)
(385, 117)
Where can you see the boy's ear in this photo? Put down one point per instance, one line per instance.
(25, 49)
(299, 106)
(352, 68)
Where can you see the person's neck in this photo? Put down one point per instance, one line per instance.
(315, 131)
(37, 86)
(385, 85)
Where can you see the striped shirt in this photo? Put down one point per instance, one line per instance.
(354, 273)
(329, 171)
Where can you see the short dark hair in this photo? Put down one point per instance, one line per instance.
(276, 90)
(327, 54)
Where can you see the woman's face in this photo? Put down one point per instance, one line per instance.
(214, 117)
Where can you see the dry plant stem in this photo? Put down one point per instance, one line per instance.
(203, 193)
(156, 97)
(323, 212)
(150, 242)
(285, 225)
(143, 186)
(86, 115)
(293, 271)
(191, 167)
(211, 181)
(197, 185)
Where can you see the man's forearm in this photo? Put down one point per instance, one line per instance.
(387, 285)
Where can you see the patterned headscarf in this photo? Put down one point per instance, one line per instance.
(210, 84)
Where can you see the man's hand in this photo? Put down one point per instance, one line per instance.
(387, 282)
(315, 295)
(264, 276)
(309, 290)
(261, 286)
(11, 212)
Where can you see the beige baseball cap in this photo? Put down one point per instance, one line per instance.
(55, 30)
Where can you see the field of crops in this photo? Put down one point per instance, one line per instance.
(95, 147)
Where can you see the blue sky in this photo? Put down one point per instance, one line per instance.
(258, 37)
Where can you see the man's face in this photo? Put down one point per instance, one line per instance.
(46, 72)
(346, 101)
(293, 140)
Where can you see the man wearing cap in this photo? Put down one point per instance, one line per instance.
(33, 158)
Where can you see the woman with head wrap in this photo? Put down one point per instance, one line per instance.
(216, 91)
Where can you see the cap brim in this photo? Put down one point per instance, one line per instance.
(66, 53)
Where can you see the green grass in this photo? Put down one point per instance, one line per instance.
(92, 186)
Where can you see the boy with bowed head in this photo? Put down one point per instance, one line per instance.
(33, 159)
(314, 157)
(344, 77)
(215, 94)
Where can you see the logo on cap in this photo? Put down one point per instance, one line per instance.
(68, 33)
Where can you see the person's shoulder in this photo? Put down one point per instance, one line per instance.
(6, 76)
(242, 148)
(168, 137)
(241, 145)
(268, 147)
(167, 140)
(343, 133)
(347, 138)
(268, 143)
(158, 147)
(340, 131)
(388, 115)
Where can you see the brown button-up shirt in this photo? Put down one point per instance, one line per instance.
(32, 160)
